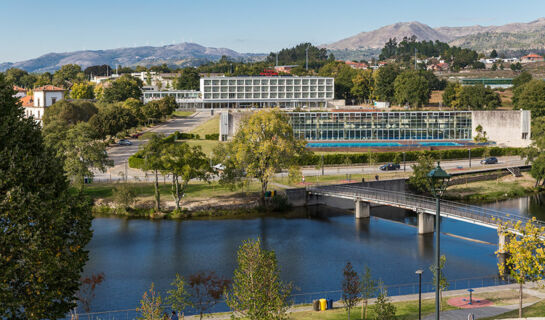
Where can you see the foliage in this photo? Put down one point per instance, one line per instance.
(45, 228)
(368, 288)
(384, 79)
(86, 292)
(112, 119)
(297, 55)
(531, 96)
(205, 290)
(184, 163)
(449, 95)
(82, 90)
(384, 309)
(69, 112)
(188, 79)
(257, 292)
(263, 145)
(363, 84)
(152, 153)
(476, 97)
(418, 181)
(122, 88)
(481, 135)
(150, 305)
(68, 74)
(295, 175)
(524, 252)
(98, 71)
(343, 75)
(443, 282)
(493, 54)
(20, 77)
(124, 196)
(178, 298)
(350, 288)
(412, 88)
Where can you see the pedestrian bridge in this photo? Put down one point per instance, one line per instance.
(425, 207)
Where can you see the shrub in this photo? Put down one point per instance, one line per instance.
(212, 136)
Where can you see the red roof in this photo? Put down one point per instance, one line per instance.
(27, 101)
(19, 89)
(48, 88)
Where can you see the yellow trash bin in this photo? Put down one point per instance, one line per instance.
(323, 304)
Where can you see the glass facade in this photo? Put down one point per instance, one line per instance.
(355, 126)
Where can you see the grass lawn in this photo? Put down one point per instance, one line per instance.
(182, 114)
(535, 310)
(206, 145)
(211, 126)
(505, 187)
(341, 178)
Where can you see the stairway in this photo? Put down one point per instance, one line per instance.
(515, 171)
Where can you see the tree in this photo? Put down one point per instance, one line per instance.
(82, 90)
(343, 75)
(81, 152)
(98, 71)
(350, 288)
(86, 292)
(184, 163)
(418, 181)
(178, 298)
(538, 170)
(263, 145)
(205, 290)
(363, 85)
(531, 96)
(152, 153)
(69, 113)
(124, 196)
(449, 95)
(412, 88)
(66, 75)
(516, 66)
(368, 288)
(443, 282)
(257, 293)
(45, 227)
(384, 309)
(150, 305)
(493, 54)
(476, 97)
(481, 135)
(295, 175)
(384, 79)
(188, 79)
(112, 119)
(123, 88)
(494, 67)
(523, 251)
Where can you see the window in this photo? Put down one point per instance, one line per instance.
(53, 100)
(524, 135)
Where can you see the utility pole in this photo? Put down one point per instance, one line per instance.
(415, 58)
(276, 59)
(306, 58)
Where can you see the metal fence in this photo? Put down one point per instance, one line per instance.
(309, 297)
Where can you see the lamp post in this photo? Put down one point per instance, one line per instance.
(469, 151)
(438, 179)
(403, 161)
(419, 273)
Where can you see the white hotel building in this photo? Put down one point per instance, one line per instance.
(254, 91)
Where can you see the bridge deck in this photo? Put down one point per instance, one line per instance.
(459, 211)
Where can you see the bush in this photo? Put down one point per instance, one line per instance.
(212, 136)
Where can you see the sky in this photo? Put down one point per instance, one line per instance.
(32, 28)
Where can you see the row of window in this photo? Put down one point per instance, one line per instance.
(268, 81)
(267, 88)
(316, 135)
(280, 95)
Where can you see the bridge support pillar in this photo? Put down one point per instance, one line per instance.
(425, 223)
(363, 209)
(502, 241)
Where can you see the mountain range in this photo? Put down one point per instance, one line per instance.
(183, 54)
(514, 36)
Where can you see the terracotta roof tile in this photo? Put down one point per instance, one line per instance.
(48, 88)
(27, 101)
(19, 89)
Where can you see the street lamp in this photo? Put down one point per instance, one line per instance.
(403, 161)
(439, 180)
(419, 273)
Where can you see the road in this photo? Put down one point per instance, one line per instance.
(120, 154)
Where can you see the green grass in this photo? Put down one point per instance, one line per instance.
(535, 310)
(491, 190)
(211, 126)
(182, 114)
(206, 145)
(404, 310)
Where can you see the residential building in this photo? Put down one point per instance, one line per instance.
(285, 69)
(441, 66)
(356, 65)
(42, 98)
(531, 58)
(488, 82)
(19, 92)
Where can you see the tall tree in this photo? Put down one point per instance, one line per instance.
(178, 298)
(69, 113)
(188, 79)
(363, 85)
(412, 88)
(368, 288)
(67, 74)
(184, 163)
(150, 305)
(257, 293)
(350, 288)
(263, 145)
(384, 309)
(493, 54)
(45, 228)
(384, 82)
(152, 153)
(531, 96)
(343, 75)
(82, 90)
(205, 290)
(449, 95)
(123, 88)
(418, 181)
(443, 282)
(524, 251)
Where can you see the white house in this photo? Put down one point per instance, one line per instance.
(42, 98)
(19, 92)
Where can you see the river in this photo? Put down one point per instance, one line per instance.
(312, 247)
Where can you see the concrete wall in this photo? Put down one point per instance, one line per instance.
(229, 123)
(506, 128)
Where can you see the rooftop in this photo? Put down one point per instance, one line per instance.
(48, 88)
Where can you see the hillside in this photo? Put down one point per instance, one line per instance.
(509, 37)
(183, 54)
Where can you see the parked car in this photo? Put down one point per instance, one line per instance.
(390, 167)
(490, 160)
(136, 135)
(124, 142)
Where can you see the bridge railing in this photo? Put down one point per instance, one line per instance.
(485, 215)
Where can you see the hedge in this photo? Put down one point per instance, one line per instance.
(341, 158)
(212, 136)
